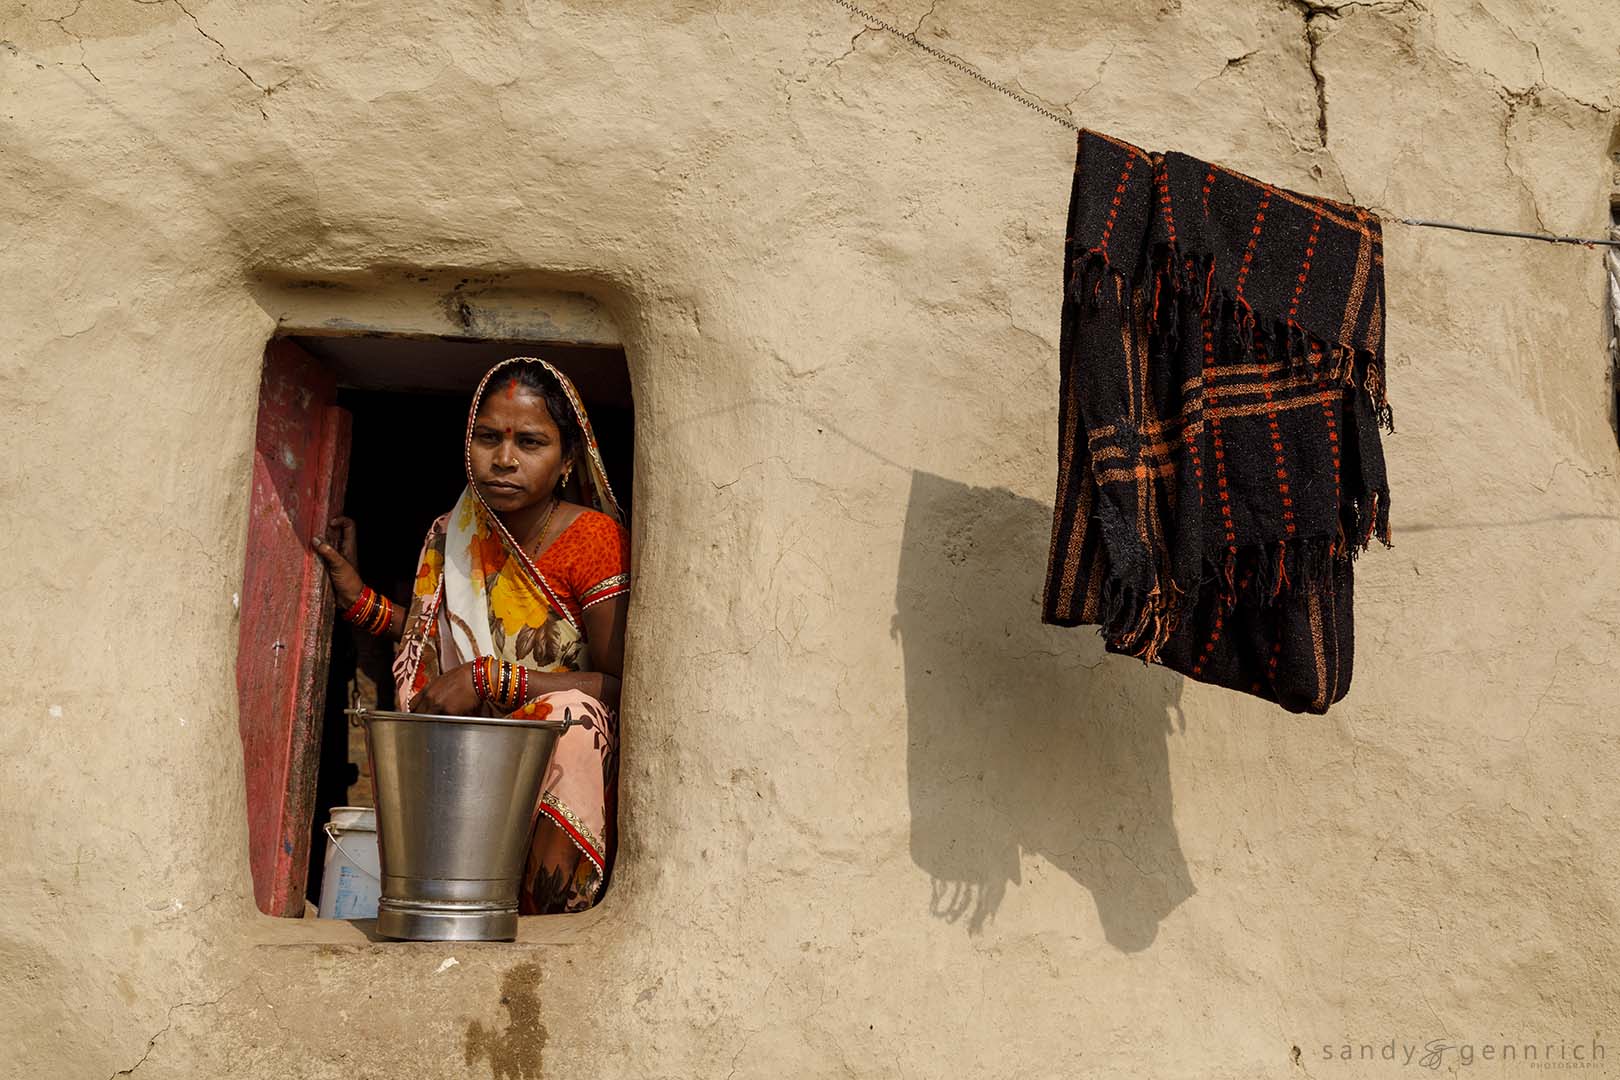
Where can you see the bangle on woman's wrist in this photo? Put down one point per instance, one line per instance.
(373, 612)
(502, 683)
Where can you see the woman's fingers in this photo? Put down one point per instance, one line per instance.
(330, 555)
(346, 583)
(344, 537)
(334, 559)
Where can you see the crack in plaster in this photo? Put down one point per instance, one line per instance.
(915, 30)
(168, 1023)
(1541, 66)
(188, 912)
(1534, 88)
(1502, 88)
(1535, 47)
(1311, 11)
(1590, 474)
(832, 491)
(1054, 106)
(862, 32)
(1313, 42)
(1066, 109)
(61, 24)
(224, 54)
(1102, 70)
(1542, 700)
(869, 28)
(1231, 62)
(1514, 100)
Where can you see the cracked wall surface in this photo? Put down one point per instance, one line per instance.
(878, 820)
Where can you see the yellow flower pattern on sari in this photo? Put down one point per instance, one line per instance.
(429, 572)
(516, 603)
(489, 556)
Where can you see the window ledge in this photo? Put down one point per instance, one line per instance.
(267, 932)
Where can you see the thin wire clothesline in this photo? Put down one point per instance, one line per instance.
(968, 69)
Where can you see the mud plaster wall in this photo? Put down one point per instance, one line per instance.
(879, 821)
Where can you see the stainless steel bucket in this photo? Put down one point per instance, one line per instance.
(455, 799)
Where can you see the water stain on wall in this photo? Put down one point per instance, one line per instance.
(517, 1052)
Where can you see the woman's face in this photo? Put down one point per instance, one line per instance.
(516, 449)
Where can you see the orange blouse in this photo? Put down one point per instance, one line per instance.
(589, 562)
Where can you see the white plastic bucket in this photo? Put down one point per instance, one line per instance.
(351, 878)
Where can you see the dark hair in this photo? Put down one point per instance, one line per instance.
(538, 381)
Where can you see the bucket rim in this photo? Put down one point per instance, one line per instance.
(367, 715)
(352, 818)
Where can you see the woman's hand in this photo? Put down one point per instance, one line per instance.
(339, 551)
(451, 694)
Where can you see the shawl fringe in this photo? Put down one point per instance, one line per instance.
(1139, 623)
(1182, 282)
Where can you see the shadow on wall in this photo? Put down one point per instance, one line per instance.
(1022, 737)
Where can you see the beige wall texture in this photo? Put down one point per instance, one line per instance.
(878, 820)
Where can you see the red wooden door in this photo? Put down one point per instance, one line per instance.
(300, 466)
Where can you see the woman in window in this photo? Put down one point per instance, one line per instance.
(519, 610)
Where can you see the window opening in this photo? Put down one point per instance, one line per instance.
(405, 401)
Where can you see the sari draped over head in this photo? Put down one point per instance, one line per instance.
(478, 593)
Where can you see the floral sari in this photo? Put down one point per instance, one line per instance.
(478, 593)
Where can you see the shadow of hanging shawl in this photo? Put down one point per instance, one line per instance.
(1025, 755)
(1219, 462)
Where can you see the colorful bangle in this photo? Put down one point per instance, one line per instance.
(385, 615)
(372, 612)
(358, 609)
(502, 683)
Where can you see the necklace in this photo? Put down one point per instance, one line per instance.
(545, 523)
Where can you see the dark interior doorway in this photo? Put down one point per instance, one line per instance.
(408, 398)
